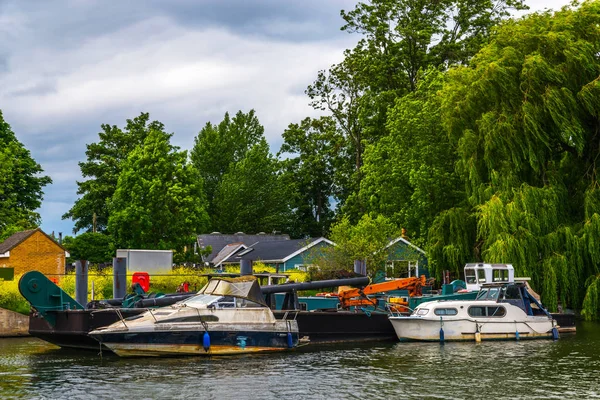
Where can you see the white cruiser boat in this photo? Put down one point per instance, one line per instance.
(500, 311)
(228, 316)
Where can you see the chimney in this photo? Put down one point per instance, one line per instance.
(59, 237)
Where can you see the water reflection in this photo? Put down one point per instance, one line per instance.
(30, 368)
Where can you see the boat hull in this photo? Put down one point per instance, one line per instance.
(221, 340)
(421, 329)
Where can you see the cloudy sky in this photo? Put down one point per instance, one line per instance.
(68, 66)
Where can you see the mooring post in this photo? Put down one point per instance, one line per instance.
(81, 282)
(119, 277)
(245, 267)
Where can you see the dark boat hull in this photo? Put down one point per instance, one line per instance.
(72, 326)
(175, 342)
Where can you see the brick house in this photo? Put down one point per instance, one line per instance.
(33, 250)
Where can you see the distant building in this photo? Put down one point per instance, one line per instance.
(33, 250)
(405, 259)
(282, 255)
(223, 245)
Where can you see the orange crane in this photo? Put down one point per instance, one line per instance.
(359, 297)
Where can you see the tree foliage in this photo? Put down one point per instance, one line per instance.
(217, 147)
(365, 241)
(399, 39)
(524, 118)
(21, 183)
(102, 168)
(409, 173)
(251, 196)
(309, 173)
(159, 201)
(93, 247)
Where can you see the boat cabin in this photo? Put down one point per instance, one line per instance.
(478, 274)
(512, 293)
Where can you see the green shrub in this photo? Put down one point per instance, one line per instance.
(10, 297)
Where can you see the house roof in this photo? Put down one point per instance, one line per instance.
(280, 251)
(227, 251)
(218, 241)
(401, 239)
(17, 238)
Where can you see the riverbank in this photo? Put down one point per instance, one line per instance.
(13, 324)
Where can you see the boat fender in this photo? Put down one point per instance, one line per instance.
(290, 340)
(477, 334)
(206, 341)
(517, 335)
(441, 331)
(554, 333)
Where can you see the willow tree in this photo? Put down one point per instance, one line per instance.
(525, 117)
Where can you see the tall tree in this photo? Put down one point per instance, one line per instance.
(309, 170)
(251, 196)
(409, 173)
(525, 118)
(102, 168)
(217, 147)
(159, 201)
(21, 183)
(399, 38)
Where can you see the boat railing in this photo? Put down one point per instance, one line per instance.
(285, 316)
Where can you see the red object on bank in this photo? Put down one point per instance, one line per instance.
(143, 279)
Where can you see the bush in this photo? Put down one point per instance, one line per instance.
(10, 297)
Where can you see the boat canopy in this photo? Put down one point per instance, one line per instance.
(245, 287)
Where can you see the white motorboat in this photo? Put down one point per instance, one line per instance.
(500, 311)
(227, 316)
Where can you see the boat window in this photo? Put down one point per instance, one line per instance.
(496, 311)
(512, 293)
(500, 275)
(481, 275)
(470, 275)
(245, 303)
(488, 294)
(201, 299)
(446, 311)
(226, 302)
(421, 311)
(477, 311)
(482, 295)
(480, 311)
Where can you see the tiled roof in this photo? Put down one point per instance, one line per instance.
(218, 241)
(15, 239)
(275, 251)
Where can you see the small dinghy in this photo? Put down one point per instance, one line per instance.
(228, 316)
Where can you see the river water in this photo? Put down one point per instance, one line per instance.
(566, 369)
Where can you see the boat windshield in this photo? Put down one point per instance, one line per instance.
(201, 299)
(488, 293)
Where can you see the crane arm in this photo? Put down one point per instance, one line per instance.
(356, 297)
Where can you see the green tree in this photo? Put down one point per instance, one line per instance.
(409, 173)
(524, 117)
(217, 147)
(102, 168)
(399, 39)
(21, 183)
(93, 247)
(367, 240)
(309, 173)
(251, 196)
(159, 201)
